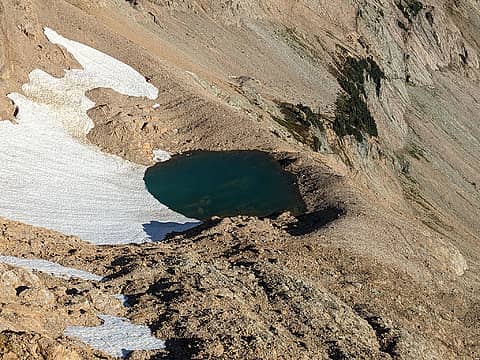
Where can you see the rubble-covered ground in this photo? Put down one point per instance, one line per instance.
(371, 104)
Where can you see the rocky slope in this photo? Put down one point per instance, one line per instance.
(373, 105)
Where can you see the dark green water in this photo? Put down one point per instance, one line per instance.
(205, 184)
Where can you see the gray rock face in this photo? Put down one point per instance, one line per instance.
(386, 89)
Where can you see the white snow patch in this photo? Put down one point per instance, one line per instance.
(161, 155)
(51, 178)
(116, 336)
(109, 72)
(48, 267)
(156, 106)
(123, 299)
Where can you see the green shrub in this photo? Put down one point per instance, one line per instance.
(301, 121)
(352, 116)
(409, 8)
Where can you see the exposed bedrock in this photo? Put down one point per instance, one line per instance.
(372, 104)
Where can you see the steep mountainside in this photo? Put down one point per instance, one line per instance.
(373, 104)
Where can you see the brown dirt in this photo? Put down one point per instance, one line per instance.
(394, 275)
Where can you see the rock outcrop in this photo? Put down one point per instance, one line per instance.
(372, 104)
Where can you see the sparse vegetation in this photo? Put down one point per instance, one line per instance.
(302, 122)
(429, 17)
(411, 150)
(352, 116)
(402, 26)
(409, 8)
(416, 152)
(412, 192)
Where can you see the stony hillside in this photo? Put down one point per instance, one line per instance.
(373, 104)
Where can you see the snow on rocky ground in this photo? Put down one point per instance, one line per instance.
(49, 268)
(116, 336)
(52, 178)
(123, 299)
(161, 155)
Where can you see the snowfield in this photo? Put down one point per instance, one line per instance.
(52, 178)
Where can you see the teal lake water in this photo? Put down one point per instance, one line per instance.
(204, 184)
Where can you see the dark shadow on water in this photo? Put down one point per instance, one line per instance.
(158, 231)
(308, 223)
